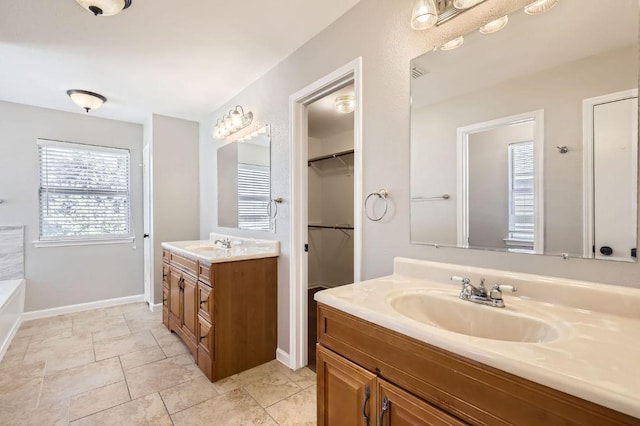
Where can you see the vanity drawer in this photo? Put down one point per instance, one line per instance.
(204, 273)
(188, 265)
(205, 302)
(166, 256)
(206, 352)
(166, 275)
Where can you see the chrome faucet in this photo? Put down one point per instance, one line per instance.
(480, 294)
(226, 243)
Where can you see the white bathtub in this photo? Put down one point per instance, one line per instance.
(11, 310)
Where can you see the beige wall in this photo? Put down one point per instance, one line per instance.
(61, 276)
(379, 32)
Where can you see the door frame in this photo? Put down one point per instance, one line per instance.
(588, 239)
(462, 136)
(147, 243)
(350, 73)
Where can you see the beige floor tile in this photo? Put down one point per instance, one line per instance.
(161, 375)
(175, 349)
(246, 377)
(12, 378)
(164, 336)
(145, 356)
(45, 327)
(68, 383)
(234, 408)
(130, 308)
(92, 324)
(143, 323)
(297, 410)
(148, 410)
(56, 414)
(303, 377)
(112, 332)
(122, 345)
(272, 388)
(14, 355)
(98, 399)
(62, 353)
(188, 394)
(19, 390)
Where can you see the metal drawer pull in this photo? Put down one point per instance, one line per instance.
(367, 395)
(385, 407)
(202, 302)
(203, 337)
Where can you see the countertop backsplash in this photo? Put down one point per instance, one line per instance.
(11, 252)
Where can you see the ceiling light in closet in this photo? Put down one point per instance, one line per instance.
(104, 7)
(494, 26)
(539, 6)
(85, 99)
(465, 4)
(230, 123)
(345, 104)
(424, 15)
(453, 44)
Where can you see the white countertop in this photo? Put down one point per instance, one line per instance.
(209, 252)
(595, 356)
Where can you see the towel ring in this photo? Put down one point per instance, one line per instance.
(275, 202)
(382, 194)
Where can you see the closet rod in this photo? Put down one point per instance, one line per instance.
(326, 157)
(330, 227)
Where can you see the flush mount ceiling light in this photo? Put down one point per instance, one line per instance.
(539, 6)
(494, 26)
(87, 100)
(230, 123)
(453, 44)
(104, 7)
(345, 104)
(465, 4)
(424, 15)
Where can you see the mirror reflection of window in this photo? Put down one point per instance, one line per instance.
(521, 195)
(253, 197)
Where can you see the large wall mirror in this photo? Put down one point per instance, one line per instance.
(244, 182)
(526, 140)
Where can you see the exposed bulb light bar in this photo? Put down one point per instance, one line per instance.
(465, 4)
(104, 7)
(453, 44)
(86, 100)
(424, 15)
(494, 26)
(232, 122)
(539, 6)
(345, 104)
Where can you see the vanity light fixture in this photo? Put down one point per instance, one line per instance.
(345, 104)
(465, 4)
(539, 6)
(104, 7)
(424, 15)
(494, 26)
(85, 99)
(230, 123)
(453, 44)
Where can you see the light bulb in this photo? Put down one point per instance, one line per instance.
(236, 119)
(539, 6)
(453, 44)
(425, 15)
(228, 123)
(465, 4)
(494, 26)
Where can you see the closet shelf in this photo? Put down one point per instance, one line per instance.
(327, 157)
(330, 227)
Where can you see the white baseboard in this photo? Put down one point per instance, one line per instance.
(45, 313)
(9, 338)
(283, 357)
(157, 306)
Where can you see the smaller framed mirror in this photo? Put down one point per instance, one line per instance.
(244, 182)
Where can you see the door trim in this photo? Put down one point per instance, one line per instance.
(587, 164)
(147, 243)
(350, 73)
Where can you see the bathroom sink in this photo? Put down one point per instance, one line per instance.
(215, 251)
(447, 311)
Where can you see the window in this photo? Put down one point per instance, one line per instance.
(521, 195)
(84, 192)
(254, 194)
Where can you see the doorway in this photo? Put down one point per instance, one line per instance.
(305, 210)
(146, 241)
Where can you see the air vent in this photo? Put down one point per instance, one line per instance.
(416, 72)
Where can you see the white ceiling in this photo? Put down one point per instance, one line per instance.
(324, 121)
(178, 58)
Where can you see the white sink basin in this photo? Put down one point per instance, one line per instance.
(215, 251)
(447, 311)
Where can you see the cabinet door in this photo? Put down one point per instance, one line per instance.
(346, 392)
(175, 296)
(397, 407)
(190, 312)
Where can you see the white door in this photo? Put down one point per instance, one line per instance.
(615, 158)
(148, 254)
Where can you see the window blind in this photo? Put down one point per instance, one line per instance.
(521, 191)
(84, 192)
(254, 193)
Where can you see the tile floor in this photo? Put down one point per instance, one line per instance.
(120, 366)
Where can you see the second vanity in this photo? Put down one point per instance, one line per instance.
(405, 349)
(220, 297)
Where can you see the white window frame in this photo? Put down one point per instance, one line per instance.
(511, 239)
(267, 196)
(84, 240)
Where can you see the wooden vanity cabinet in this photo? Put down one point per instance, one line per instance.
(226, 313)
(424, 384)
(166, 278)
